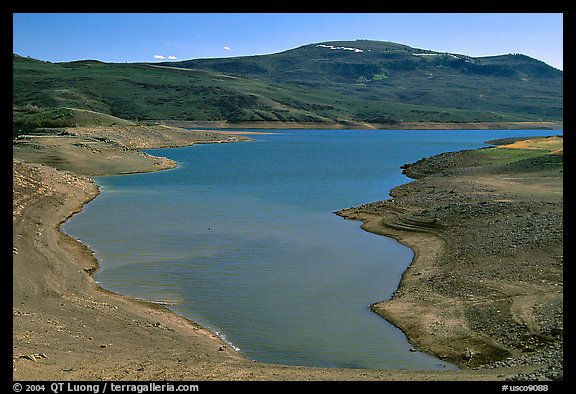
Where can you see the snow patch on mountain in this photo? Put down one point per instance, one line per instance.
(356, 50)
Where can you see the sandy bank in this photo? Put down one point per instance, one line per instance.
(556, 125)
(65, 327)
(109, 150)
(486, 284)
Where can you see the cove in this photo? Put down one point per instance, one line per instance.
(242, 239)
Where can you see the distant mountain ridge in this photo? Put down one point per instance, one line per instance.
(376, 57)
(336, 81)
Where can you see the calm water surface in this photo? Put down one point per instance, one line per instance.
(242, 238)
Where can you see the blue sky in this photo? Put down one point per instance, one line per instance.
(142, 37)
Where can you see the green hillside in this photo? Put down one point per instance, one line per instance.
(335, 82)
(373, 70)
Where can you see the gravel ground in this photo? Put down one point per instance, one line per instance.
(500, 265)
(484, 291)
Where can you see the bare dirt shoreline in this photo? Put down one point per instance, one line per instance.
(551, 125)
(486, 283)
(65, 327)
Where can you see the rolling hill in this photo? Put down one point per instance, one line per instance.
(329, 82)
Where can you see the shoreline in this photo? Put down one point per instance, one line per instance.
(485, 286)
(172, 347)
(350, 125)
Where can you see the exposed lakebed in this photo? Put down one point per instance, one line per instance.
(242, 239)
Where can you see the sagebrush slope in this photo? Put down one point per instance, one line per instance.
(333, 82)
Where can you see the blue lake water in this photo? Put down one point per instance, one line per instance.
(242, 238)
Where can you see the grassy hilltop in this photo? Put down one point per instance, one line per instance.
(331, 82)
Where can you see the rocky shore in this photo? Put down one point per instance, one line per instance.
(477, 293)
(365, 125)
(486, 286)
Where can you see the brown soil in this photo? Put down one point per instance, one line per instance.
(65, 327)
(558, 125)
(486, 283)
(109, 150)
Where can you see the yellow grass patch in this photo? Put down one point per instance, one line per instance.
(552, 144)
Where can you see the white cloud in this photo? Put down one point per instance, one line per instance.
(172, 57)
(226, 48)
(159, 57)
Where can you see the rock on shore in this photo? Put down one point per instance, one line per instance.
(486, 285)
(65, 327)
